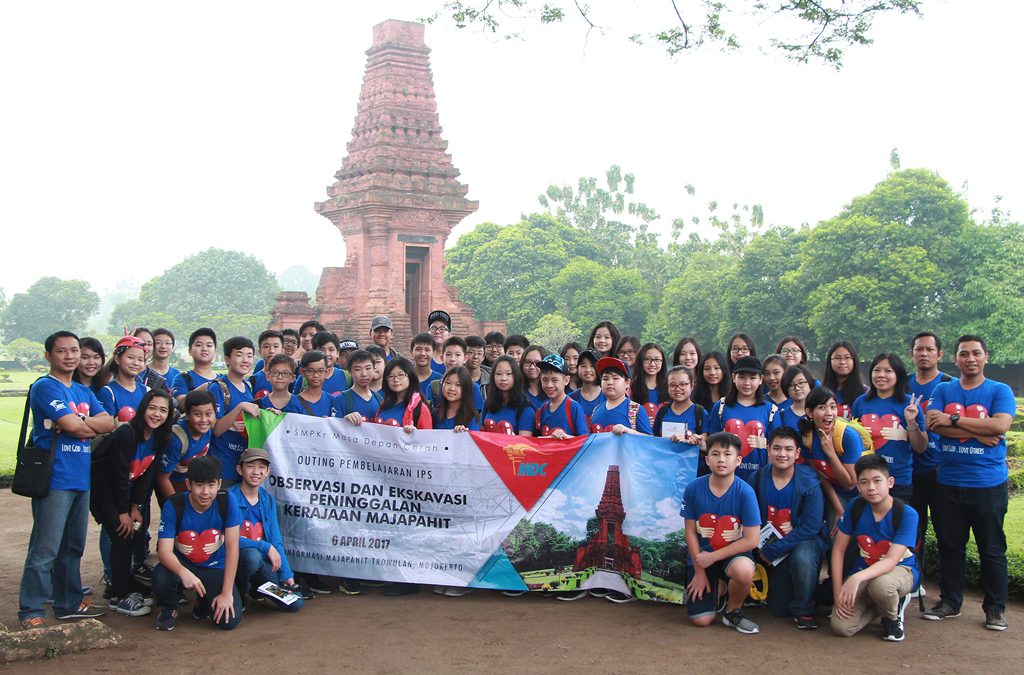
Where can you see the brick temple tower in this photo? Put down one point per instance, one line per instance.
(395, 201)
(609, 547)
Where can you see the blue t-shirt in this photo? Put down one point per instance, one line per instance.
(536, 400)
(478, 396)
(843, 408)
(815, 457)
(588, 406)
(779, 504)
(251, 526)
(746, 421)
(878, 413)
(260, 365)
(175, 458)
(687, 417)
(873, 539)
(438, 367)
(349, 401)
(965, 462)
(321, 408)
(120, 403)
(720, 520)
(393, 416)
(788, 418)
(261, 385)
(292, 406)
(145, 454)
(50, 399)
(508, 421)
(604, 419)
(200, 531)
(929, 459)
(181, 384)
(229, 445)
(338, 382)
(425, 384)
(547, 421)
(449, 423)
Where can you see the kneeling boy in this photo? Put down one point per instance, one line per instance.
(198, 549)
(261, 548)
(885, 572)
(723, 526)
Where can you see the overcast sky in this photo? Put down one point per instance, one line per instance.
(133, 134)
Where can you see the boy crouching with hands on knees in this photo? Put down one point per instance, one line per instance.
(884, 572)
(723, 525)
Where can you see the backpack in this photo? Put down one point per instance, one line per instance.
(698, 415)
(721, 411)
(349, 401)
(225, 390)
(178, 502)
(858, 505)
(568, 417)
(837, 436)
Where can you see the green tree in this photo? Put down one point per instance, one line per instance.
(49, 305)
(552, 331)
(588, 293)
(25, 351)
(802, 30)
(993, 298)
(691, 304)
(299, 278)
(215, 283)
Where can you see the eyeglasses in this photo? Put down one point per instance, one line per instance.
(680, 385)
(319, 372)
(798, 385)
(437, 330)
(493, 348)
(277, 374)
(653, 361)
(531, 363)
(291, 341)
(398, 375)
(840, 359)
(739, 350)
(627, 352)
(790, 351)
(163, 343)
(475, 352)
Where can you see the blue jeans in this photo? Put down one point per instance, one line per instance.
(60, 522)
(792, 583)
(253, 571)
(957, 512)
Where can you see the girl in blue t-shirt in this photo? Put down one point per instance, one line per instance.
(774, 367)
(90, 370)
(681, 420)
(121, 396)
(506, 408)
(712, 380)
(402, 405)
(647, 386)
(589, 394)
(895, 420)
(687, 353)
(603, 339)
(532, 356)
(739, 345)
(797, 382)
(455, 409)
(626, 351)
(842, 375)
(744, 412)
(570, 353)
(829, 454)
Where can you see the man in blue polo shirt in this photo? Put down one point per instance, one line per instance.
(60, 520)
(971, 417)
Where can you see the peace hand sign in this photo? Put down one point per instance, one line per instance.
(913, 409)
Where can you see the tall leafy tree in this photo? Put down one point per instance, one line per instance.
(587, 293)
(49, 305)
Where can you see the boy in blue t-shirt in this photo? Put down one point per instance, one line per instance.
(198, 550)
(279, 371)
(232, 396)
(190, 439)
(453, 354)
(270, 343)
(359, 399)
(617, 413)
(422, 350)
(560, 417)
(202, 347)
(885, 570)
(723, 526)
(261, 549)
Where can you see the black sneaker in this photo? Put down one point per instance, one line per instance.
(316, 585)
(736, 619)
(143, 574)
(396, 590)
(620, 598)
(599, 592)
(569, 596)
(108, 588)
(132, 604)
(892, 630)
(166, 619)
(806, 622)
(201, 610)
(350, 586)
(85, 610)
(941, 611)
(995, 619)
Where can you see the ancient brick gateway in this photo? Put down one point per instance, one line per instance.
(395, 201)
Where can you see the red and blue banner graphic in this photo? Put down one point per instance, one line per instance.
(478, 509)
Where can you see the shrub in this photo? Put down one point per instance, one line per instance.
(1014, 560)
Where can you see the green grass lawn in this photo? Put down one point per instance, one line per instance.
(11, 408)
(20, 379)
(1014, 524)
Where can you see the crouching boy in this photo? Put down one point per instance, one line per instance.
(198, 549)
(722, 528)
(885, 571)
(261, 549)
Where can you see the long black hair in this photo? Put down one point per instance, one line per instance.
(818, 396)
(900, 390)
(638, 388)
(100, 379)
(853, 386)
(749, 341)
(516, 396)
(678, 351)
(467, 410)
(701, 389)
(391, 398)
(616, 336)
(162, 433)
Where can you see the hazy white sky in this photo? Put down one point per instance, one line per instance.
(133, 134)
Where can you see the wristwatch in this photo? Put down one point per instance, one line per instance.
(954, 419)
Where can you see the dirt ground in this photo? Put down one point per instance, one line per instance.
(488, 632)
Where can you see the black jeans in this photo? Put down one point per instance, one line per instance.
(957, 512)
(926, 492)
(167, 585)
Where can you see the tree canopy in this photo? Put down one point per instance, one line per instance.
(801, 30)
(49, 305)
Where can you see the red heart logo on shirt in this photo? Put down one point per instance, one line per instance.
(125, 414)
(824, 467)
(137, 467)
(197, 541)
(720, 526)
(872, 551)
(597, 428)
(183, 464)
(844, 410)
(875, 423)
(652, 409)
(251, 530)
(260, 394)
(498, 427)
(778, 517)
(388, 422)
(975, 411)
(745, 431)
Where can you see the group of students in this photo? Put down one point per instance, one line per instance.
(847, 473)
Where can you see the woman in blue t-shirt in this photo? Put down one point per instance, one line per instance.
(774, 368)
(603, 339)
(533, 355)
(90, 371)
(454, 408)
(842, 375)
(570, 353)
(506, 408)
(589, 394)
(828, 453)
(647, 386)
(121, 396)
(744, 412)
(895, 420)
(402, 405)
(797, 382)
(687, 353)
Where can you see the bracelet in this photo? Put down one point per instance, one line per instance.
(913, 428)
